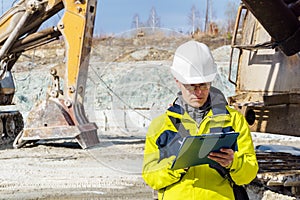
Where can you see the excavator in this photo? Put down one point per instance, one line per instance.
(267, 84)
(267, 81)
(62, 114)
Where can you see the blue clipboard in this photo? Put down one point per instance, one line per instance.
(195, 149)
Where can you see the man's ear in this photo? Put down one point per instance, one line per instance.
(177, 83)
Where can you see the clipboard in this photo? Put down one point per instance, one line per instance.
(195, 149)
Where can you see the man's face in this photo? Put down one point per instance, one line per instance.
(194, 94)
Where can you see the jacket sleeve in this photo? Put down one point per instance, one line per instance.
(157, 174)
(244, 167)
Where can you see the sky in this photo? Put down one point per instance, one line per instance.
(116, 16)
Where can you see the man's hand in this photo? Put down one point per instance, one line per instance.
(224, 157)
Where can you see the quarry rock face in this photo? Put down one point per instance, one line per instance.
(128, 84)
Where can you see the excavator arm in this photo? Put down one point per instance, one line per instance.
(62, 114)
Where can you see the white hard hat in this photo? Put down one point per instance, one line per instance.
(193, 63)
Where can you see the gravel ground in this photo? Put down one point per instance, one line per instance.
(62, 170)
(110, 170)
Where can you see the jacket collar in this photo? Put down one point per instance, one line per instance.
(215, 101)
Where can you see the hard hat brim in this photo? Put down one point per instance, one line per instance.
(193, 80)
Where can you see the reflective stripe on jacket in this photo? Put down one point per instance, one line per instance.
(198, 182)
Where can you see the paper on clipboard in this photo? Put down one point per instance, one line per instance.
(195, 149)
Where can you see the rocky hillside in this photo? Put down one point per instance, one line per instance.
(126, 73)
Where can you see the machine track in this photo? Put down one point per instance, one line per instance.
(279, 172)
(11, 124)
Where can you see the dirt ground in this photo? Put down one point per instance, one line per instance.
(62, 170)
(110, 170)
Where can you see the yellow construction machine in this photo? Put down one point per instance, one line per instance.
(267, 78)
(62, 114)
(267, 82)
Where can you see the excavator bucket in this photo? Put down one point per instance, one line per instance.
(52, 121)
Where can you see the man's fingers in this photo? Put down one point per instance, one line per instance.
(224, 157)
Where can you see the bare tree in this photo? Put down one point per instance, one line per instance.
(136, 22)
(194, 19)
(153, 20)
(230, 13)
(207, 15)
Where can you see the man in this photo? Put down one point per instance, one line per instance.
(199, 109)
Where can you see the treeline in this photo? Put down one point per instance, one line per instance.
(197, 24)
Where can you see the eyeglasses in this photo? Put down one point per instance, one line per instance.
(201, 86)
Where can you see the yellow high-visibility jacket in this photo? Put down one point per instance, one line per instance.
(198, 182)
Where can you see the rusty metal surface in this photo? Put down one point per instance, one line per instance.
(48, 114)
(57, 132)
(280, 22)
(268, 72)
(263, 70)
(88, 138)
(281, 99)
(50, 133)
(51, 120)
(277, 161)
(279, 172)
(267, 81)
(279, 119)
